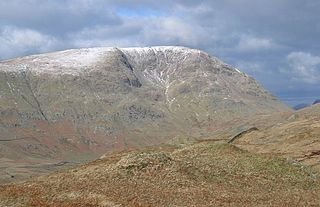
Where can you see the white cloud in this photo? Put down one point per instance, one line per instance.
(143, 32)
(249, 67)
(15, 41)
(122, 35)
(171, 30)
(248, 43)
(303, 67)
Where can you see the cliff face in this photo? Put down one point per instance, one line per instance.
(100, 99)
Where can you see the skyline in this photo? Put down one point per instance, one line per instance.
(273, 41)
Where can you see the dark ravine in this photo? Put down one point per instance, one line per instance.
(85, 102)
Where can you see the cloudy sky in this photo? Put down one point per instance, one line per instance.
(275, 41)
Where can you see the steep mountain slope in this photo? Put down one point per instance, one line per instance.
(296, 137)
(205, 174)
(76, 104)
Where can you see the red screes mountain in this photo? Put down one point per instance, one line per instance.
(75, 104)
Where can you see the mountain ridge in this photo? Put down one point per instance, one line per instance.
(94, 100)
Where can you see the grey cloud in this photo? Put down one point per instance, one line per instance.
(259, 37)
(122, 35)
(249, 43)
(145, 32)
(55, 17)
(15, 41)
(304, 67)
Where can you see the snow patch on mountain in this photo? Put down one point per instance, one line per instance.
(76, 61)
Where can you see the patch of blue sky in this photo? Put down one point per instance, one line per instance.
(139, 12)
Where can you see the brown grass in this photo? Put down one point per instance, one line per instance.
(205, 174)
(296, 138)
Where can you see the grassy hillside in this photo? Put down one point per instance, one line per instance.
(296, 138)
(204, 174)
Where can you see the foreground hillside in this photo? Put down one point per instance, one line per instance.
(295, 137)
(64, 108)
(204, 174)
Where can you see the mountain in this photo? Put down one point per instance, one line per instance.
(316, 101)
(204, 174)
(304, 105)
(301, 106)
(67, 107)
(275, 164)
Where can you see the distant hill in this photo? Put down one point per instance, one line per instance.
(304, 105)
(301, 106)
(316, 101)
